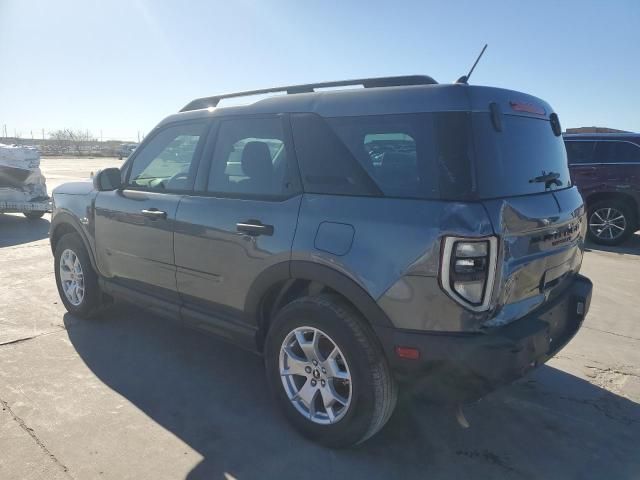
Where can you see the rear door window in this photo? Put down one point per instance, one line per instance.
(250, 158)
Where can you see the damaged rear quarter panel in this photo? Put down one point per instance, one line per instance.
(415, 300)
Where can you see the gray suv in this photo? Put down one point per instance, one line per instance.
(406, 234)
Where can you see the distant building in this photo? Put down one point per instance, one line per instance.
(594, 130)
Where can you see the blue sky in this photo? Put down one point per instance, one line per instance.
(120, 66)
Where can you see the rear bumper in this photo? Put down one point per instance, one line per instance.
(37, 205)
(464, 367)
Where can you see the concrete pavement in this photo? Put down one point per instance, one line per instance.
(131, 395)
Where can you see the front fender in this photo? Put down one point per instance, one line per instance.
(61, 222)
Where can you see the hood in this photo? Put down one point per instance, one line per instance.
(74, 188)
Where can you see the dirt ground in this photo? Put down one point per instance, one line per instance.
(134, 396)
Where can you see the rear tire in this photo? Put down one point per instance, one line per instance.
(33, 215)
(369, 395)
(610, 222)
(76, 280)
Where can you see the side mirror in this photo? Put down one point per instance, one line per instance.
(107, 179)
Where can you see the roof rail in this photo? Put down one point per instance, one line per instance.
(207, 102)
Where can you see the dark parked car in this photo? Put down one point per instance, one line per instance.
(606, 169)
(403, 234)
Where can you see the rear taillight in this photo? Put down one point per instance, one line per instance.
(468, 269)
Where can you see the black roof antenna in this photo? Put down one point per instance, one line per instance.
(465, 78)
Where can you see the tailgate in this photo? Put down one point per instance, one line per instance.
(542, 241)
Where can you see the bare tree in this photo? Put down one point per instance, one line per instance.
(68, 139)
(60, 141)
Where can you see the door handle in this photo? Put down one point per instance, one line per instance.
(154, 214)
(254, 228)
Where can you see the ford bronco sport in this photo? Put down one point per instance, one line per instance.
(407, 233)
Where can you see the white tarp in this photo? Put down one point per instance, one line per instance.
(25, 158)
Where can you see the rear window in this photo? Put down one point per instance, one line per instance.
(524, 158)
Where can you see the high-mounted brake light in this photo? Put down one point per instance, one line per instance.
(527, 108)
(468, 269)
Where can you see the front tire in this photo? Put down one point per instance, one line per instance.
(76, 280)
(328, 372)
(611, 222)
(33, 215)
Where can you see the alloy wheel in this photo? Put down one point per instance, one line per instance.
(607, 223)
(71, 277)
(315, 375)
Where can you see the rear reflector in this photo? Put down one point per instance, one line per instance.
(527, 108)
(409, 353)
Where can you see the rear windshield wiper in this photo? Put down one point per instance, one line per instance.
(547, 179)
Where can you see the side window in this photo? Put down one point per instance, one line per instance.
(625, 152)
(581, 152)
(250, 157)
(392, 160)
(386, 147)
(326, 164)
(166, 162)
(617, 152)
(377, 155)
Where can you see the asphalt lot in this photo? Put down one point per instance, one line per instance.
(135, 396)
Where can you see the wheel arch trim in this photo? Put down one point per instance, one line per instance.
(314, 272)
(599, 196)
(63, 218)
